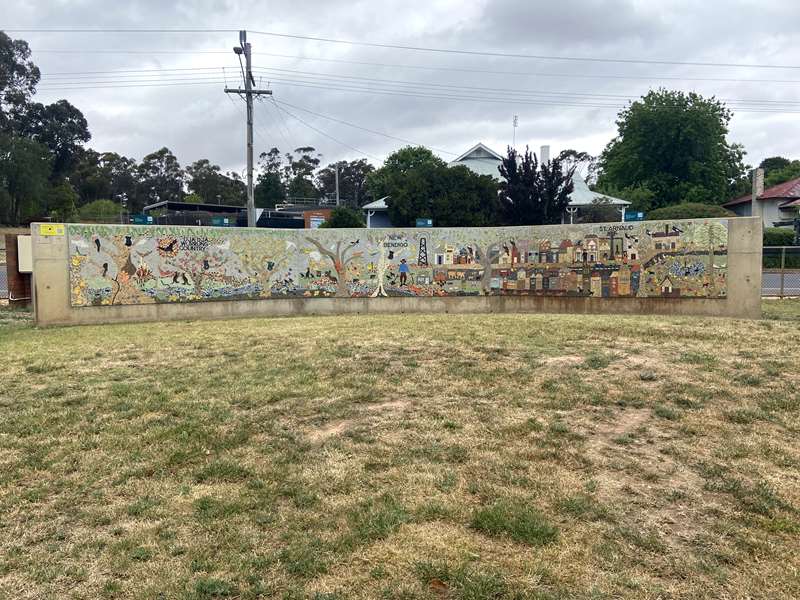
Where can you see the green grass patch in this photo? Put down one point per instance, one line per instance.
(517, 520)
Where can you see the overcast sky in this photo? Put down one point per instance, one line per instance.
(197, 120)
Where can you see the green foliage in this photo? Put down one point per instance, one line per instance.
(352, 181)
(161, 177)
(206, 181)
(421, 185)
(775, 176)
(269, 189)
(778, 236)
(18, 75)
(342, 218)
(516, 519)
(599, 211)
(24, 174)
(689, 210)
(99, 210)
(60, 126)
(298, 174)
(673, 145)
(533, 194)
(60, 202)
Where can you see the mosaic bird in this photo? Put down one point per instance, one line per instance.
(97, 243)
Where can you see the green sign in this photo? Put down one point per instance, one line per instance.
(633, 215)
(424, 222)
(141, 219)
(221, 222)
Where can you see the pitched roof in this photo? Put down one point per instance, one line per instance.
(379, 204)
(582, 196)
(480, 159)
(480, 151)
(788, 189)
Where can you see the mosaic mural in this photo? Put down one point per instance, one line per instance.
(144, 264)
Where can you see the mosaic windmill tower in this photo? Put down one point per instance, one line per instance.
(422, 258)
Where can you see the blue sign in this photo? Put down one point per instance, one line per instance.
(141, 219)
(632, 215)
(424, 222)
(221, 222)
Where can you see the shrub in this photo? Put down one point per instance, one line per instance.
(343, 217)
(778, 236)
(689, 210)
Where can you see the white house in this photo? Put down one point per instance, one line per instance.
(484, 161)
(778, 204)
(480, 159)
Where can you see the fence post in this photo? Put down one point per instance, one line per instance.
(783, 268)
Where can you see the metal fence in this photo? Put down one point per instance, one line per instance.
(781, 271)
(3, 282)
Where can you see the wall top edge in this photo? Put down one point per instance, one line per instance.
(608, 224)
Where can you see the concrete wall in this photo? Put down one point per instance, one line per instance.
(53, 307)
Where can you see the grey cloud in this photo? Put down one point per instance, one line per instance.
(199, 121)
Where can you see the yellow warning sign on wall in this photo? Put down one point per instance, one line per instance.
(47, 229)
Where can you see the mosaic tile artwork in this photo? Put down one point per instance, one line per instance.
(112, 265)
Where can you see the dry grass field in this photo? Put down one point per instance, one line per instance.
(402, 457)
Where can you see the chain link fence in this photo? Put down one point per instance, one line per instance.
(3, 282)
(781, 271)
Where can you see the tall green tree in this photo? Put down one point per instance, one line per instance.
(161, 177)
(778, 170)
(211, 185)
(421, 185)
(352, 181)
(269, 189)
(674, 145)
(61, 199)
(59, 126)
(533, 193)
(18, 76)
(25, 168)
(774, 163)
(299, 172)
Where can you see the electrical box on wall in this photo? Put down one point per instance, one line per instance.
(24, 254)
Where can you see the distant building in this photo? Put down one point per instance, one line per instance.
(480, 159)
(778, 204)
(376, 214)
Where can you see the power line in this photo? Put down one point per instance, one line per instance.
(527, 56)
(386, 135)
(526, 73)
(560, 75)
(165, 77)
(406, 92)
(175, 75)
(319, 131)
(410, 48)
(484, 89)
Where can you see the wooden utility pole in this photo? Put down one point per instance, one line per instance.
(248, 92)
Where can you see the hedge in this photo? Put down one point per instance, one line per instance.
(778, 236)
(689, 210)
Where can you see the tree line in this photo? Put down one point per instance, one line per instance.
(670, 154)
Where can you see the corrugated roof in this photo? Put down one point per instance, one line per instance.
(787, 189)
(379, 204)
(582, 196)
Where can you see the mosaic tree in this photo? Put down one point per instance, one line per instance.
(487, 246)
(710, 235)
(381, 266)
(341, 256)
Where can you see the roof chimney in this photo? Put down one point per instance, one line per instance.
(758, 191)
(544, 155)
